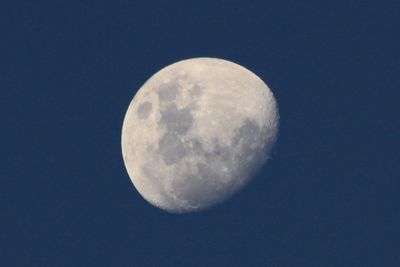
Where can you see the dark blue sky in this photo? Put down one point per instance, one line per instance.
(328, 197)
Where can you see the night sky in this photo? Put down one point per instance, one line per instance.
(329, 196)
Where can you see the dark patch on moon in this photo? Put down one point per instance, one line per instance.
(196, 91)
(144, 110)
(221, 152)
(177, 121)
(248, 132)
(171, 148)
(248, 143)
(168, 92)
(196, 147)
(199, 188)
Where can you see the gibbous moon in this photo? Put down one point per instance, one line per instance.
(197, 132)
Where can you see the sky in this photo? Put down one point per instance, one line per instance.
(329, 195)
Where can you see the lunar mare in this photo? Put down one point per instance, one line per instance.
(197, 132)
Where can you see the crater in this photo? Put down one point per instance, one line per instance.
(168, 92)
(144, 110)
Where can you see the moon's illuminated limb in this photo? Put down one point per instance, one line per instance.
(196, 132)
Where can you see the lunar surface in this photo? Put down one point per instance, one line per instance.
(197, 132)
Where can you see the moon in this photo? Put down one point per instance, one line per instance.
(197, 132)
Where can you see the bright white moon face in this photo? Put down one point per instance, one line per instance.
(196, 132)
